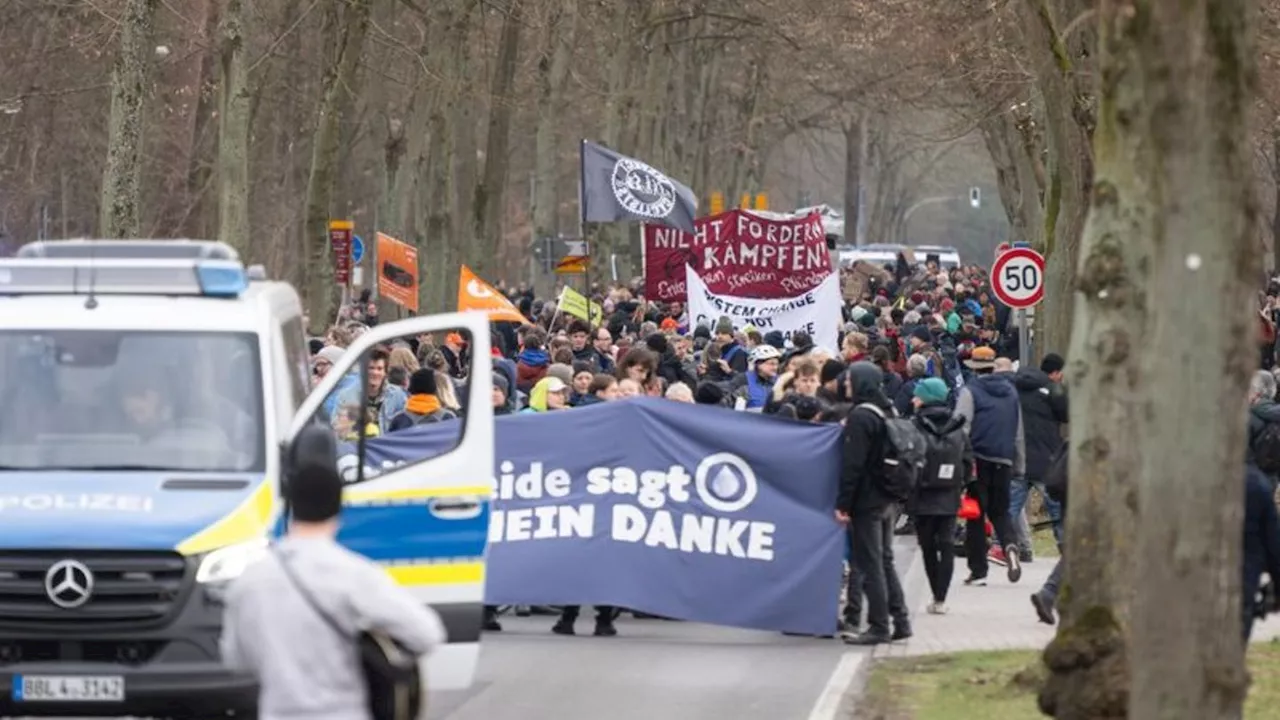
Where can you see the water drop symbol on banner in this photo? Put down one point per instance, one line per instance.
(726, 483)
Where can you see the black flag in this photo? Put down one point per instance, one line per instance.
(619, 188)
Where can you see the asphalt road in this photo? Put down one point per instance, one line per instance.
(660, 669)
(652, 669)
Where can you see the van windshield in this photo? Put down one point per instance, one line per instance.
(126, 400)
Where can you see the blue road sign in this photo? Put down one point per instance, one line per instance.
(1018, 244)
(357, 249)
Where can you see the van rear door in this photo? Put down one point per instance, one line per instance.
(426, 520)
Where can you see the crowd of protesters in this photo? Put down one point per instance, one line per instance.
(921, 342)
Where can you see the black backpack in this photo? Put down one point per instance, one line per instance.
(944, 467)
(1266, 448)
(1055, 478)
(904, 458)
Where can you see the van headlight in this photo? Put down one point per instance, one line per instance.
(229, 562)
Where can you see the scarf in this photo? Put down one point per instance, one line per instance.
(422, 404)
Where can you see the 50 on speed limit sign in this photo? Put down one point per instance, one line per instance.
(1017, 277)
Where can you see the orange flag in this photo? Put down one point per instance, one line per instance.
(476, 294)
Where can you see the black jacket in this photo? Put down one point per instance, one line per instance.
(862, 452)
(1260, 416)
(938, 420)
(1044, 412)
(1261, 535)
(672, 370)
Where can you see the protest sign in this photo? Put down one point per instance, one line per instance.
(815, 311)
(704, 514)
(739, 252)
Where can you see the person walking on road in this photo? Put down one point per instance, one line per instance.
(949, 460)
(989, 405)
(867, 509)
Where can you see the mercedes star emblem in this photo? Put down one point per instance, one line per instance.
(68, 583)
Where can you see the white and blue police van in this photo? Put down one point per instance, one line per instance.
(151, 392)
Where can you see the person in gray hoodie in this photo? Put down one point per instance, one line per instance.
(273, 628)
(993, 417)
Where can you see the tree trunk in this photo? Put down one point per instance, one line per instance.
(855, 144)
(490, 192)
(339, 79)
(233, 135)
(121, 212)
(1087, 660)
(553, 70)
(1058, 63)
(1194, 69)
(1016, 179)
(1275, 215)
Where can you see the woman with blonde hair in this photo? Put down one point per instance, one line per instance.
(446, 392)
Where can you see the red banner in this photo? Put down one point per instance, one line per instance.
(738, 253)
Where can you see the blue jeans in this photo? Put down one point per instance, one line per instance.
(1019, 490)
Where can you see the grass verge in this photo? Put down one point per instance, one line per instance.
(1003, 685)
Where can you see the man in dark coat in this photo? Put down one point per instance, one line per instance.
(868, 511)
(1044, 412)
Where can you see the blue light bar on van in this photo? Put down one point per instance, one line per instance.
(81, 276)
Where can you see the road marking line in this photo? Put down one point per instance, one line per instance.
(837, 685)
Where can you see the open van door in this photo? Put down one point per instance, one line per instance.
(425, 519)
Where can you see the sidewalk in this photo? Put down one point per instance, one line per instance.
(996, 617)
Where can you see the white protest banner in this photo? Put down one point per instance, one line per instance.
(815, 311)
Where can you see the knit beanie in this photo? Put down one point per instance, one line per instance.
(724, 326)
(931, 391)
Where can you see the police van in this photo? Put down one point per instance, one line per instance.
(151, 391)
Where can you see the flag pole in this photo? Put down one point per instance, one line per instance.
(582, 229)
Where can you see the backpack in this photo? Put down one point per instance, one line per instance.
(1055, 478)
(1266, 448)
(904, 458)
(437, 416)
(944, 456)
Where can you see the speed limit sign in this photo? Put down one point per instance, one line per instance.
(1017, 277)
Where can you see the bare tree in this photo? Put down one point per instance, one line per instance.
(233, 132)
(121, 182)
(347, 30)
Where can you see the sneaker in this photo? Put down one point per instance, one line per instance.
(866, 638)
(996, 556)
(976, 580)
(492, 625)
(562, 628)
(901, 631)
(850, 626)
(1026, 556)
(937, 608)
(1015, 563)
(1044, 608)
(605, 630)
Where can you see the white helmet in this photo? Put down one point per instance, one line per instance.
(764, 352)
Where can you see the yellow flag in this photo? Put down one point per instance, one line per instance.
(574, 303)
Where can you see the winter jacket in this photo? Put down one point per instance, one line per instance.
(863, 444)
(1044, 412)
(989, 404)
(1261, 538)
(736, 356)
(1260, 416)
(938, 421)
(755, 390)
(598, 361)
(672, 370)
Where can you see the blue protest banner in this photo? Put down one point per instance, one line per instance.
(687, 511)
